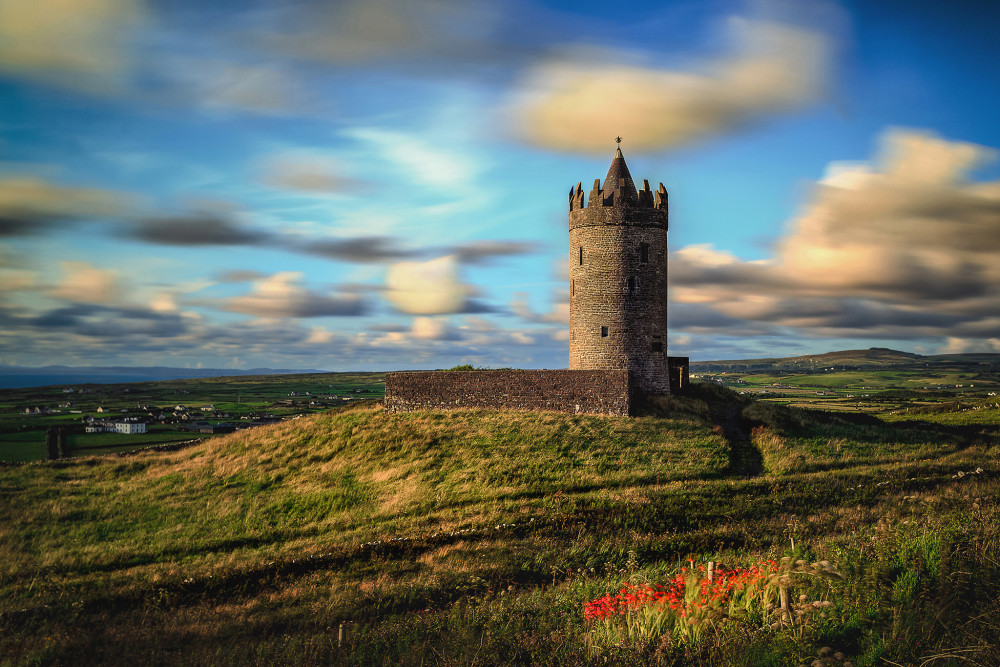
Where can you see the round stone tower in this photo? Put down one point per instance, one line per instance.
(618, 279)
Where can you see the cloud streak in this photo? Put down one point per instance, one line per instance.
(31, 206)
(282, 295)
(197, 230)
(81, 44)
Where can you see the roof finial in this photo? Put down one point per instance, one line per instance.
(618, 140)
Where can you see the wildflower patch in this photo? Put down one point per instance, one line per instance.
(705, 599)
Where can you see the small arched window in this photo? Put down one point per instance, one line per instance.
(630, 284)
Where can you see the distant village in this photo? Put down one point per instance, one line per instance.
(136, 420)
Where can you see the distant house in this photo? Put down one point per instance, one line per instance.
(129, 428)
(101, 409)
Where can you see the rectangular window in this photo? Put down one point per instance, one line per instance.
(572, 287)
(657, 346)
(581, 255)
(644, 253)
(630, 283)
(604, 332)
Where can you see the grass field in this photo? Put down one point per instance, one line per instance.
(22, 436)
(476, 537)
(30, 445)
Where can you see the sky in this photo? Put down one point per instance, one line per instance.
(382, 184)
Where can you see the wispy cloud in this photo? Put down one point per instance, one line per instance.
(283, 295)
(360, 249)
(30, 206)
(81, 44)
(197, 230)
(309, 174)
(483, 252)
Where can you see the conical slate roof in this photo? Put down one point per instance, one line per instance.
(618, 185)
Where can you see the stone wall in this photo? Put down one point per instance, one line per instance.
(618, 304)
(594, 392)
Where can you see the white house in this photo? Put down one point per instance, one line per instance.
(130, 427)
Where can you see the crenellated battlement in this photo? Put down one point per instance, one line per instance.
(644, 198)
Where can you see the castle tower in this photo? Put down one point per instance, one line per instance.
(618, 279)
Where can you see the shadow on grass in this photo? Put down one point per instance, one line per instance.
(714, 404)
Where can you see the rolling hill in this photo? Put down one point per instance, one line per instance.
(475, 537)
(872, 358)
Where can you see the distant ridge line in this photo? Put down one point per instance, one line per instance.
(875, 356)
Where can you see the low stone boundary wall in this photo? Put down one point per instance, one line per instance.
(593, 392)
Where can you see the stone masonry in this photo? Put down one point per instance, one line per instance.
(594, 392)
(618, 279)
(618, 318)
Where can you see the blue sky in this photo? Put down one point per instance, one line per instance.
(381, 184)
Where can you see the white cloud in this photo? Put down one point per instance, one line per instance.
(426, 288)
(581, 101)
(901, 246)
(319, 336)
(163, 303)
(432, 328)
(84, 283)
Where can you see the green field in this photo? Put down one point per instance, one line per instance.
(880, 391)
(30, 445)
(475, 537)
(22, 436)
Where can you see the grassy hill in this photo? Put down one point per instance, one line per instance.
(476, 537)
(876, 357)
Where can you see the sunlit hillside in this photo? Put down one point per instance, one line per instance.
(476, 537)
